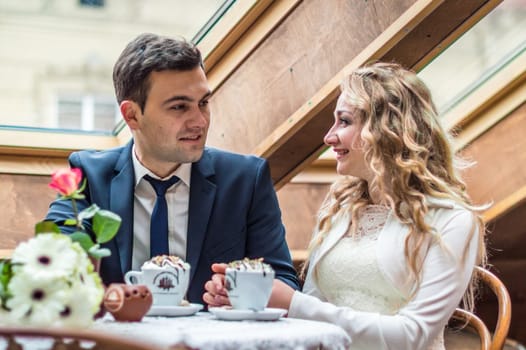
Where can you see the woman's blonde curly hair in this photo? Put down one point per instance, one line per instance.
(409, 154)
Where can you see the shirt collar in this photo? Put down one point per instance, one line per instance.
(183, 172)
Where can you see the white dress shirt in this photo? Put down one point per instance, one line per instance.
(177, 199)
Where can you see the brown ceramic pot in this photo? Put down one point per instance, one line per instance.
(127, 302)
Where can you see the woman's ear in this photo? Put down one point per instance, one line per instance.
(129, 112)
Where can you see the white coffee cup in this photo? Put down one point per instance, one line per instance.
(168, 283)
(248, 289)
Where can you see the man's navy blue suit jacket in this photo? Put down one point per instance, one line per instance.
(233, 213)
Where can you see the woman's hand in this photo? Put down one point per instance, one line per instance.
(281, 296)
(215, 294)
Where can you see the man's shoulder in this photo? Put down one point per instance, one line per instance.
(97, 157)
(219, 155)
(224, 164)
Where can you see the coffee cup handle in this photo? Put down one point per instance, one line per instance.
(133, 277)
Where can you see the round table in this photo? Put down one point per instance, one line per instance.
(204, 331)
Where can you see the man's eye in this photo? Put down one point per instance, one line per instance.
(178, 107)
(203, 103)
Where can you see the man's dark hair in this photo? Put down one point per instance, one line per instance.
(148, 53)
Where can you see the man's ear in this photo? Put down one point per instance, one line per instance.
(130, 111)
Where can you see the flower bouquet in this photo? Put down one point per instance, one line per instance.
(51, 280)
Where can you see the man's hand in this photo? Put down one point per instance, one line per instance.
(215, 294)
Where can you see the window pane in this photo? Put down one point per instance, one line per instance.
(105, 114)
(56, 57)
(69, 111)
(480, 52)
(94, 3)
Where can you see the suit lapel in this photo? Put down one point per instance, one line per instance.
(202, 194)
(122, 190)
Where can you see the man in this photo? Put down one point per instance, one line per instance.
(223, 206)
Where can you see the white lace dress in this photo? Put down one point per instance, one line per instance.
(349, 275)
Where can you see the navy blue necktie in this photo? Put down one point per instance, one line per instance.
(159, 219)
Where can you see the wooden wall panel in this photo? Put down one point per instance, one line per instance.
(24, 201)
(511, 272)
(507, 235)
(299, 205)
(309, 47)
(506, 241)
(501, 159)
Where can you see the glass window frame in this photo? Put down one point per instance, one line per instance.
(217, 33)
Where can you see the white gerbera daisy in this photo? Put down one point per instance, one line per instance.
(77, 312)
(5, 316)
(47, 254)
(92, 284)
(83, 262)
(35, 300)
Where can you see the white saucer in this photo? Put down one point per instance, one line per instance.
(229, 314)
(158, 310)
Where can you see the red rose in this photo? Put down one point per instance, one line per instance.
(66, 181)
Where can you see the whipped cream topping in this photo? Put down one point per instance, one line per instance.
(250, 265)
(163, 261)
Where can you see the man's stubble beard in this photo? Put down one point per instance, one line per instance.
(187, 157)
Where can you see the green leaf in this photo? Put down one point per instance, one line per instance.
(99, 253)
(105, 225)
(46, 227)
(89, 212)
(70, 222)
(82, 186)
(5, 272)
(77, 196)
(83, 239)
(5, 276)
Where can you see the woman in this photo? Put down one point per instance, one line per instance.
(396, 240)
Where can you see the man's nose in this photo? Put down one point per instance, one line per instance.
(199, 119)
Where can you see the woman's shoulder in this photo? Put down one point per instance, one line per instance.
(446, 206)
(447, 215)
(441, 203)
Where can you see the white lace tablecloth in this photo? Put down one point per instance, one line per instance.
(203, 331)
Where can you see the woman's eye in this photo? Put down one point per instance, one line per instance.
(344, 121)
